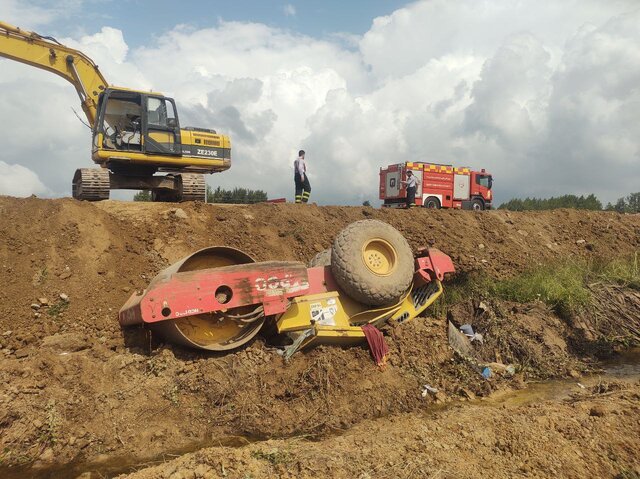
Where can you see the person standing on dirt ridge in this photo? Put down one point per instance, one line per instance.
(303, 187)
(412, 184)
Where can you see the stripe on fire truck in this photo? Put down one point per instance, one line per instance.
(440, 168)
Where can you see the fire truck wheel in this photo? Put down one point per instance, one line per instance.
(323, 258)
(432, 203)
(372, 262)
(477, 204)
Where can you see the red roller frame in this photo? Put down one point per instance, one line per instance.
(269, 284)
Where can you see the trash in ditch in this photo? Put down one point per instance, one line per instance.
(500, 369)
(468, 331)
(459, 342)
(429, 390)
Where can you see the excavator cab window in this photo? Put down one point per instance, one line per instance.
(120, 120)
(162, 135)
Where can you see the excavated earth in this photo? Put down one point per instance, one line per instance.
(81, 397)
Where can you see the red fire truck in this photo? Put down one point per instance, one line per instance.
(440, 186)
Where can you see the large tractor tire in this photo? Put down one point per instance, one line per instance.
(323, 258)
(372, 262)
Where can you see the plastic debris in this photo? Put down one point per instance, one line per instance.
(467, 329)
(486, 372)
(500, 369)
(459, 342)
(429, 390)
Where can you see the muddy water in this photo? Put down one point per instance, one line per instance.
(625, 367)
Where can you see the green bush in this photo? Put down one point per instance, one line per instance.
(582, 202)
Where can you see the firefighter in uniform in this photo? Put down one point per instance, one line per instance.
(412, 184)
(303, 188)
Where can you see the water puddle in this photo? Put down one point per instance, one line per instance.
(624, 367)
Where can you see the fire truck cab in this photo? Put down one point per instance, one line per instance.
(440, 186)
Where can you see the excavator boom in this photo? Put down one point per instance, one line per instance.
(46, 53)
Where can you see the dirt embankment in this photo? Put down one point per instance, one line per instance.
(78, 389)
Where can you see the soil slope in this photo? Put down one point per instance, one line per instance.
(80, 389)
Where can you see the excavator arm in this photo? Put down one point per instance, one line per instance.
(46, 53)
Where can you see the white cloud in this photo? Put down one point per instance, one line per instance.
(28, 15)
(289, 10)
(544, 95)
(16, 180)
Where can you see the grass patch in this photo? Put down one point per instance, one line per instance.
(57, 308)
(624, 272)
(460, 288)
(49, 432)
(563, 286)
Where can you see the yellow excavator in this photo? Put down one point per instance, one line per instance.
(136, 134)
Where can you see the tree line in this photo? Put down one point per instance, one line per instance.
(239, 196)
(628, 204)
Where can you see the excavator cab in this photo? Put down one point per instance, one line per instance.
(137, 122)
(136, 135)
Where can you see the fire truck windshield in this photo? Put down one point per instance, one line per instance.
(484, 180)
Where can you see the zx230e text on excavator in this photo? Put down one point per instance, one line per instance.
(136, 134)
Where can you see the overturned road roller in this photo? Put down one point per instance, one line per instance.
(219, 298)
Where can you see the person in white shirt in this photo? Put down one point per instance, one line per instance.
(301, 180)
(412, 185)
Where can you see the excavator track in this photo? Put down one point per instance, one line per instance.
(193, 187)
(91, 184)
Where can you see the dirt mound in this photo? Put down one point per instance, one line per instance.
(96, 253)
(81, 390)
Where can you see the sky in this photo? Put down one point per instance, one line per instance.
(544, 95)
